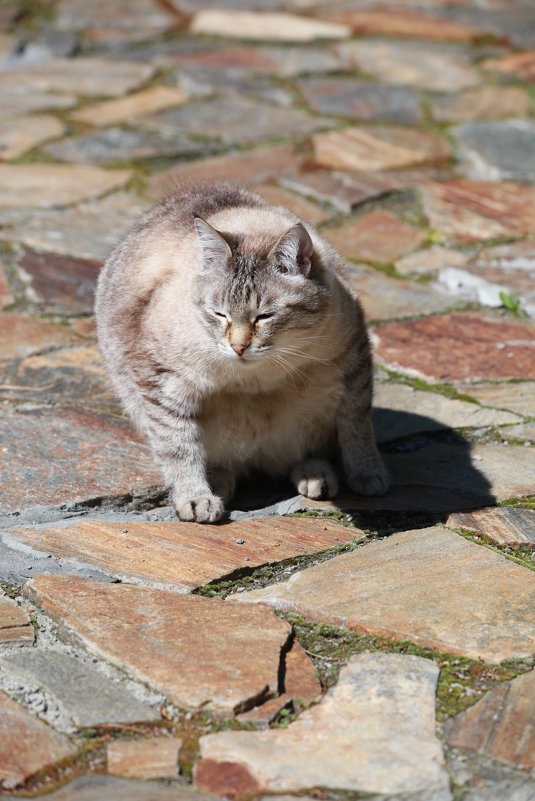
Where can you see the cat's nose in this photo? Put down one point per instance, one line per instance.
(238, 348)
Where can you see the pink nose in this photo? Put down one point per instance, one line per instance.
(237, 348)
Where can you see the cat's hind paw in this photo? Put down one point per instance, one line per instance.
(315, 478)
(373, 481)
(201, 509)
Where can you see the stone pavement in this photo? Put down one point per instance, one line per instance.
(379, 648)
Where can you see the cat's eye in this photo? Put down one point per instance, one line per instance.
(266, 316)
(222, 316)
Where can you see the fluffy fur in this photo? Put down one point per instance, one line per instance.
(234, 343)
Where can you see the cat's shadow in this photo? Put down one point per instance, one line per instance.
(433, 475)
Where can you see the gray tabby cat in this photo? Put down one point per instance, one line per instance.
(234, 343)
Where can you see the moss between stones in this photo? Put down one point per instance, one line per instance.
(523, 503)
(520, 555)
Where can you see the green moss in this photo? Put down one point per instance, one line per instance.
(447, 390)
(523, 503)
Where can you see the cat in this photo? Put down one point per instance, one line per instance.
(235, 344)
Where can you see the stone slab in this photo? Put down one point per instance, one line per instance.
(138, 104)
(17, 99)
(373, 733)
(512, 266)
(110, 788)
(427, 66)
(430, 586)
(19, 134)
(342, 190)
(60, 283)
(520, 65)
(307, 211)
(6, 298)
(221, 119)
(430, 261)
(184, 556)
(466, 210)
(94, 77)
(84, 455)
(71, 231)
(483, 102)
(456, 347)
(210, 656)
(156, 758)
(46, 185)
(83, 694)
(496, 149)
(487, 780)
(22, 335)
(507, 525)
(263, 25)
(500, 725)
(15, 624)
(517, 397)
(347, 97)
(115, 22)
(378, 236)
(26, 744)
(378, 148)
(401, 410)
(404, 22)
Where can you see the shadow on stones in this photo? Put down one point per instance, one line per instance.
(433, 475)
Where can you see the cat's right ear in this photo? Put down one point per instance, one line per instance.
(215, 248)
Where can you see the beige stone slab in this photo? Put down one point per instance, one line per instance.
(404, 22)
(507, 525)
(267, 26)
(111, 112)
(156, 758)
(500, 725)
(185, 555)
(47, 185)
(210, 654)
(21, 335)
(377, 148)
(15, 625)
(80, 76)
(482, 103)
(21, 133)
(430, 261)
(430, 586)
(26, 744)
(378, 236)
(518, 397)
(309, 212)
(521, 65)
(374, 732)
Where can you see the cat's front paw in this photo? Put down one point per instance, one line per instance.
(371, 481)
(315, 478)
(201, 509)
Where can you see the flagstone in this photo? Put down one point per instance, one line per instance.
(309, 212)
(487, 780)
(466, 210)
(60, 283)
(185, 556)
(46, 185)
(19, 134)
(248, 167)
(211, 655)
(71, 231)
(110, 112)
(265, 25)
(520, 65)
(374, 732)
(222, 118)
(436, 68)
(500, 725)
(401, 410)
(84, 694)
(17, 99)
(84, 455)
(496, 149)
(378, 147)
(430, 586)
(347, 97)
(26, 744)
(507, 525)
(484, 102)
(342, 190)
(15, 624)
(95, 787)
(461, 346)
(21, 335)
(405, 22)
(6, 298)
(378, 236)
(115, 21)
(517, 397)
(155, 758)
(80, 76)
(431, 260)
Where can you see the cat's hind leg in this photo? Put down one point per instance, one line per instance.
(315, 478)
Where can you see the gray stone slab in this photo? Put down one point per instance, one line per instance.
(347, 97)
(107, 788)
(83, 693)
(497, 150)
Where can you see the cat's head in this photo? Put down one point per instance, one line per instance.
(255, 300)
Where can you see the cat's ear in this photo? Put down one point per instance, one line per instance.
(215, 248)
(292, 253)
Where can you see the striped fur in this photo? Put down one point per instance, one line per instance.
(234, 343)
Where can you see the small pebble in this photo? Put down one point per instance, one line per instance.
(125, 531)
(245, 558)
(239, 541)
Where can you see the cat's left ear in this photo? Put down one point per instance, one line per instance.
(292, 253)
(215, 248)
